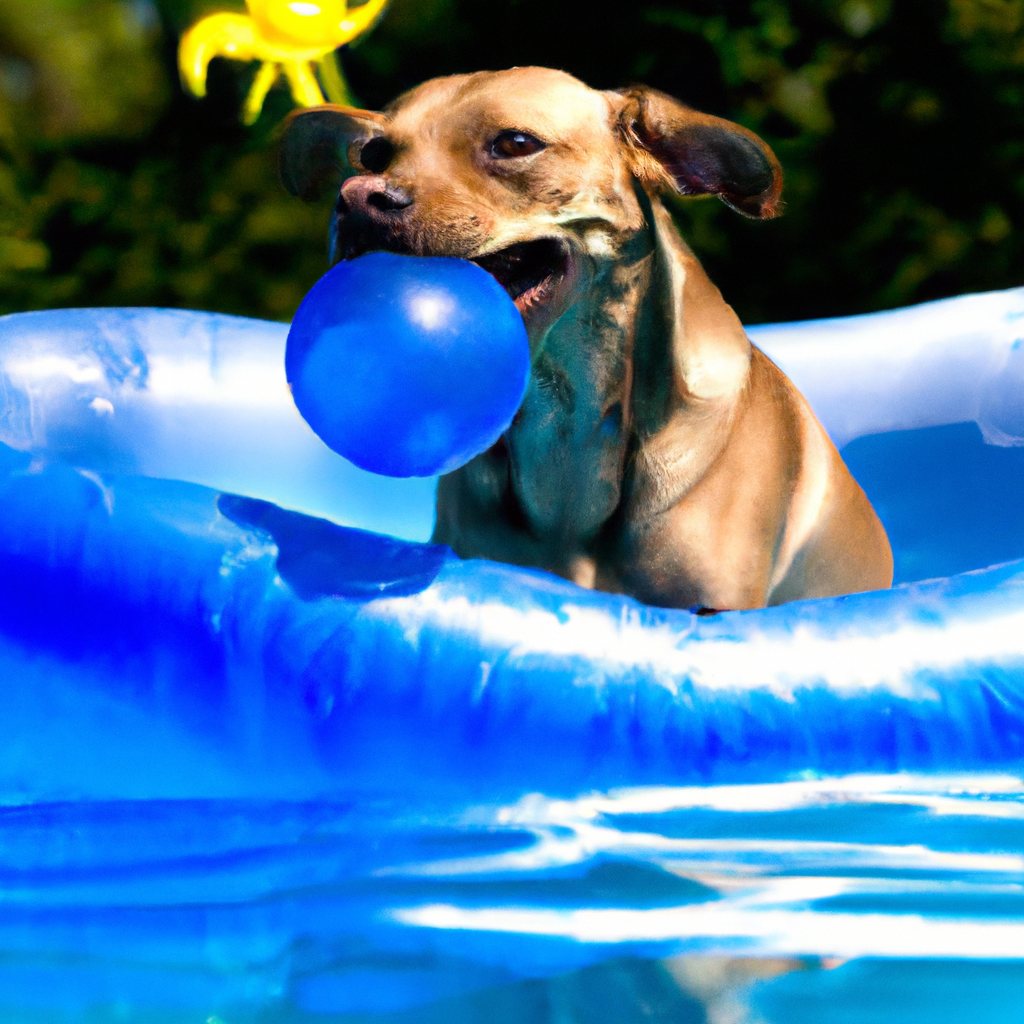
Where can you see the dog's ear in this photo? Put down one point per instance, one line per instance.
(320, 147)
(699, 154)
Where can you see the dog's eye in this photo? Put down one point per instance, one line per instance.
(513, 143)
(377, 154)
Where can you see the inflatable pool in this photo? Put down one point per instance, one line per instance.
(258, 763)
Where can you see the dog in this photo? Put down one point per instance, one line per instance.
(657, 452)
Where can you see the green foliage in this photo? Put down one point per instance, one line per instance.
(136, 194)
(900, 126)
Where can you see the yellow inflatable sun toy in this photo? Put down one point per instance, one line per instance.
(286, 36)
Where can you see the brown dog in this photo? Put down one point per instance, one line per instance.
(657, 452)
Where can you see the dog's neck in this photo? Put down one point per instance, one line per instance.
(698, 351)
(650, 346)
(690, 367)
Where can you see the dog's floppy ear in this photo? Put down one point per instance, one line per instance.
(319, 148)
(699, 153)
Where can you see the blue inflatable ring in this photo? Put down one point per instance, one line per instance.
(182, 618)
(369, 653)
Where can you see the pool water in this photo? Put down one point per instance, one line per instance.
(949, 501)
(871, 898)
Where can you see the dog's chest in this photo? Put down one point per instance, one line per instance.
(567, 445)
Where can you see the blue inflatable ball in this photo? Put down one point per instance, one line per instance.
(408, 366)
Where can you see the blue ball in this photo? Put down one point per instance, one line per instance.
(408, 366)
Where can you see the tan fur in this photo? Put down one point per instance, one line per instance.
(657, 452)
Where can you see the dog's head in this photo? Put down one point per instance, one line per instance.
(527, 172)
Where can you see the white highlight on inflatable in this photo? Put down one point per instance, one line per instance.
(858, 661)
(39, 368)
(887, 655)
(195, 381)
(939, 794)
(792, 932)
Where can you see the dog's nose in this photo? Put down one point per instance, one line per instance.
(375, 192)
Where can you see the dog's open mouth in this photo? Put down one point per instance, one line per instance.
(528, 271)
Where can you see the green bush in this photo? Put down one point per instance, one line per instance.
(900, 127)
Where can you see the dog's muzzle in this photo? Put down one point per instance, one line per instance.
(372, 214)
(369, 215)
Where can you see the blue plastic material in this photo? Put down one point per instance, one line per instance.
(260, 766)
(408, 366)
(315, 660)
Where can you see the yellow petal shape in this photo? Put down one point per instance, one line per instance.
(219, 35)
